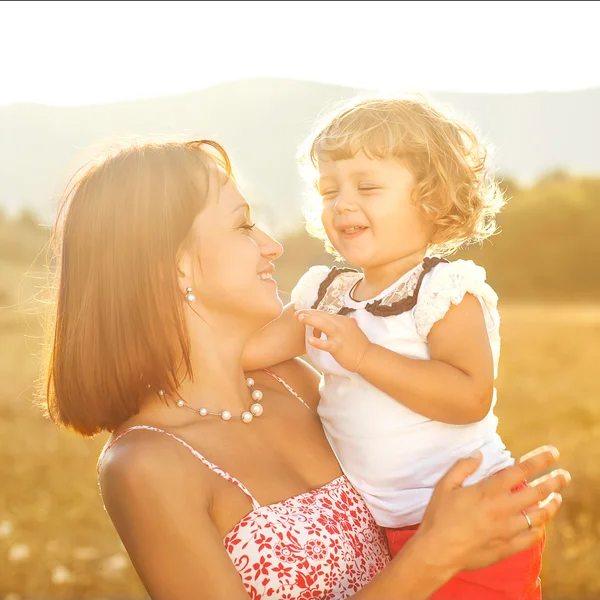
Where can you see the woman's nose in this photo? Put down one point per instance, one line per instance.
(271, 248)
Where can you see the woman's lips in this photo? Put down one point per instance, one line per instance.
(267, 278)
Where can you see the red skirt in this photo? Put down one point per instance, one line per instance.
(514, 578)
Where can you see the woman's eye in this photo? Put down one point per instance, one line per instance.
(248, 226)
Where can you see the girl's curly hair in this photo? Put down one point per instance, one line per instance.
(453, 185)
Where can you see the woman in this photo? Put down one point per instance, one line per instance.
(221, 484)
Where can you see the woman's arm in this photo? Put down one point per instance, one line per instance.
(455, 386)
(277, 342)
(162, 517)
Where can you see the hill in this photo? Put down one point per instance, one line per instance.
(261, 122)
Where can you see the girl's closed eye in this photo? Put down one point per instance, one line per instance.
(247, 226)
(328, 193)
(368, 187)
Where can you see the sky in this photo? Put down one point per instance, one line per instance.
(75, 53)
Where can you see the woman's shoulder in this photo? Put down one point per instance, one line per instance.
(150, 459)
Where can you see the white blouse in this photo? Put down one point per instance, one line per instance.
(392, 455)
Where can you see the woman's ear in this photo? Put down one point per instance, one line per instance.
(184, 271)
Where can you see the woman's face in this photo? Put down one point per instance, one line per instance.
(229, 264)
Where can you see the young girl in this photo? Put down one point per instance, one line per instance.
(409, 345)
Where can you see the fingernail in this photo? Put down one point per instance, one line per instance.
(476, 454)
(554, 451)
(300, 317)
(312, 340)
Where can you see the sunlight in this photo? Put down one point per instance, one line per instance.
(146, 49)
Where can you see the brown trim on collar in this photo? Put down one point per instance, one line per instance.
(333, 273)
(375, 307)
(406, 304)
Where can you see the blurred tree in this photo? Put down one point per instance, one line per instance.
(557, 175)
(548, 247)
(28, 219)
(22, 239)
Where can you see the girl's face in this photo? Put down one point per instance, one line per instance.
(229, 265)
(368, 213)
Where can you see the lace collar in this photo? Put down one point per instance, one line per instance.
(334, 295)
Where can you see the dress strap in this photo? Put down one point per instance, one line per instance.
(289, 389)
(197, 454)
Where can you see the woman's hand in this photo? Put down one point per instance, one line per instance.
(472, 527)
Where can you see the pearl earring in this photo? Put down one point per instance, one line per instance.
(189, 296)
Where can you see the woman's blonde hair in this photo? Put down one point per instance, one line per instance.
(453, 185)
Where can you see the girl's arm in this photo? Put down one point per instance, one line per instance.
(162, 515)
(455, 386)
(277, 342)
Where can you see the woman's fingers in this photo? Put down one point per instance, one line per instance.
(520, 535)
(524, 469)
(539, 451)
(512, 546)
(538, 516)
(517, 534)
(540, 489)
(540, 459)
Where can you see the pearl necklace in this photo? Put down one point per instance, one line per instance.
(255, 410)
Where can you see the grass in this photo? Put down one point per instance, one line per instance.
(56, 540)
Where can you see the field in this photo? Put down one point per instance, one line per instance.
(56, 541)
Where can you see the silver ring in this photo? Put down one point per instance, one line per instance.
(529, 523)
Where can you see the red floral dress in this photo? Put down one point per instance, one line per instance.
(322, 544)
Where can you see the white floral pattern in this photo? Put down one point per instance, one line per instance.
(323, 544)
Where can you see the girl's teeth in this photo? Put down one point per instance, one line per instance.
(265, 276)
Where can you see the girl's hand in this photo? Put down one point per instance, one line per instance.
(345, 340)
(475, 526)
